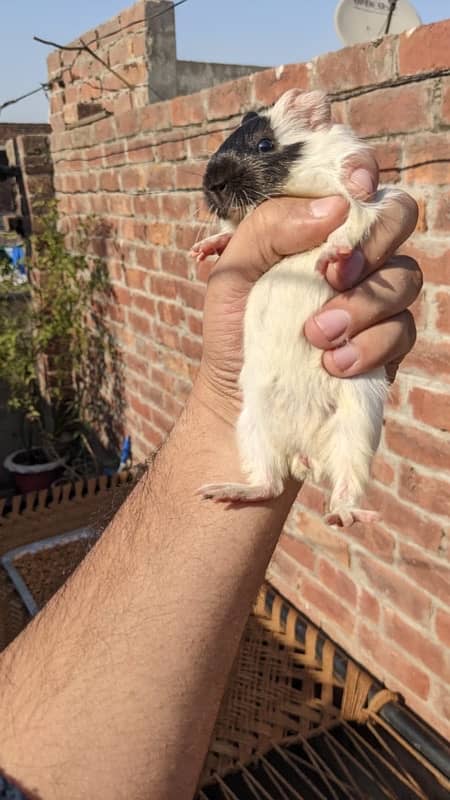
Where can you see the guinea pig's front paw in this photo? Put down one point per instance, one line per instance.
(332, 254)
(212, 246)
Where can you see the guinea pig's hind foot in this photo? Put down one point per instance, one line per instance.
(337, 251)
(238, 492)
(343, 517)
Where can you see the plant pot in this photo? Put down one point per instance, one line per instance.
(30, 477)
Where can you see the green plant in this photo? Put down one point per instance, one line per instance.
(56, 349)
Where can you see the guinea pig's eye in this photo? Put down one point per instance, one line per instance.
(265, 145)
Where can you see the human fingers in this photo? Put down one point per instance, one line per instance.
(395, 223)
(383, 295)
(279, 227)
(360, 175)
(383, 345)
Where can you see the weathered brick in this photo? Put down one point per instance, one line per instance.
(188, 110)
(337, 582)
(416, 643)
(401, 517)
(174, 262)
(429, 574)
(313, 530)
(430, 358)
(368, 63)
(228, 99)
(443, 312)
(442, 627)
(368, 606)
(430, 493)
(400, 109)
(418, 446)
(331, 609)
(391, 586)
(301, 552)
(270, 84)
(424, 49)
(426, 159)
(434, 260)
(433, 408)
(393, 660)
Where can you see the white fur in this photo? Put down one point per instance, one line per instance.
(295, 415)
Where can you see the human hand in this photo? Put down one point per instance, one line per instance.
(376, 288)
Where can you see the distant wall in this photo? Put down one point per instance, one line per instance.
(9, 130)
(383, 591)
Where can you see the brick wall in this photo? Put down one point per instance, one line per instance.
(381, 592)
(9, 130)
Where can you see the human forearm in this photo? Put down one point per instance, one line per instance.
(121, 676)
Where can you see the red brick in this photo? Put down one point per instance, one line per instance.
(167, 336)
(442, 627)
(270, 84)
(188, 110)
(426, 159)
(130, 178)
(431, 407)
(282, 564)
(428, 492)
(418, 446)
(364, 64)
(188, 177)
(382, 471)
(147, 205)
(174, 262)
(394, 662)
(159, 233)
(430, 358)
(153, 436)
(313, 498)
(337, 582)
(397, 110)
(441, 221)
(144, 304)
(424, 49)
(301, 552)
(313, 592)
(176, 206)
(122, 295)
(138, 406)
(139, 324)
(128, 124)
(408, 521)
(434, 260)
(429, 574)
(389, 157)
(136, 279)
(445, 109)
(170, 151)
(416, 644)
(191, 348)
(314, 530)
(147, 257)
(170, 313)
(140, 152)
(375, 538)
(104, 130)
(369, 606)
(390, 585)
(206, 144)
(156, 117)
(163, 286)
(195, 325)
(443, 312)
(228, 99)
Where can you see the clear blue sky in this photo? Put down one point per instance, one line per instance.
(268, 32)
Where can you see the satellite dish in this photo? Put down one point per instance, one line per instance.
(365, 20)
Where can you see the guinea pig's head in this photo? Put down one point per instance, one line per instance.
(257, 159)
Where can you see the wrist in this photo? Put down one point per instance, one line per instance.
(221, 398)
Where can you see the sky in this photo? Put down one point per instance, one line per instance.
(264, 32)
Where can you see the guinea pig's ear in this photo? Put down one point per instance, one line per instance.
(247, 116)
(312, 109)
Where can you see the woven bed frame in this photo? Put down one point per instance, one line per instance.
(299, 719)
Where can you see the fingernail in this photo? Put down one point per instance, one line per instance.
(324, 206)
(333, 323)
(363, 179)
(353, 268)
(344, 357)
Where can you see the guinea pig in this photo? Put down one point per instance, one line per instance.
(296, 419)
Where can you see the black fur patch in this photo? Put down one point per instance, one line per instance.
(238, 176)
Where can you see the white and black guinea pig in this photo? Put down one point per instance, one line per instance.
(296, 419)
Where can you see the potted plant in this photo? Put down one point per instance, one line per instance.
(54, 347)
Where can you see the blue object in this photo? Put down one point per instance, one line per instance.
(17, 257)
